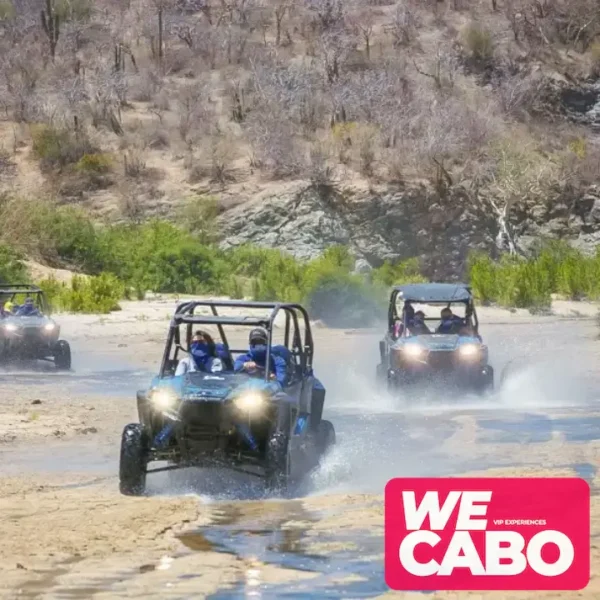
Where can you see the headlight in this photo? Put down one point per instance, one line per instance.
(163, 399)
(49, 327)
(468, 350)
(10, 327)
(250, 401)
(413, 350)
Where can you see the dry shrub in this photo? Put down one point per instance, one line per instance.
(59, 147)
(357, 143)
(134, 162)
(275, 146)
(222, 155)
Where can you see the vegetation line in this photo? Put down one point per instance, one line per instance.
(126, 261)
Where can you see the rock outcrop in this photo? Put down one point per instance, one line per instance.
(388, 224)
(397, 223)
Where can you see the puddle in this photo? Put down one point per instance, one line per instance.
(535, 428)
(38, 587)
(109, 383)
(280, 536)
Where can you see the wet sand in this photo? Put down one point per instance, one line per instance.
(68, 533)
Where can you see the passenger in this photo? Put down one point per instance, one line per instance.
(204, 356)
(255, 359)
(28, 309)
(418, 326)
(408, 314)
(450, 322)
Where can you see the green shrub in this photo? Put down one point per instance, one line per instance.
(7, 10)
(92, 295)
(74, 10)
(12, 267)
(482, 272)
(56, 148)
(479, 41)
(163, 257)
(95, 164)
(555, 268)
(398, 273)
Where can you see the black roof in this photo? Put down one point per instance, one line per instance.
(434, 292)
(220, 320)
(18, 288)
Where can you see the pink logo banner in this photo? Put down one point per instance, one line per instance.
(487, 534)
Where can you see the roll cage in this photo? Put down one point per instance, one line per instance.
(8, 293)
(434, 294)
(298, 338)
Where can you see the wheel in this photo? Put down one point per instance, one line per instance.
(62, 355)
(278, 453)
(485, 382)
(278, 462)
(489, 379)
(381, 376)
(325, 436)
(133, 460)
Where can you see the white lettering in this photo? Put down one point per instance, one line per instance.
(468, 510)
(461, 542)
(430, 505)
(494, 553)
(406, 553)
(534, 553)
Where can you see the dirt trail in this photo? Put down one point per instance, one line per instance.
(68, 533)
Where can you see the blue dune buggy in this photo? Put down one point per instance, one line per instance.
(230, 419)
(457, 359)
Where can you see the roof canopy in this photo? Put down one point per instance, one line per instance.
(434, 292)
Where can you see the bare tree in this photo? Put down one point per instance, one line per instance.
(333, 49)
(519, 173)
(404, 24)
(194, 110)
(362, 20)
(443, 67)
(326, 14)
(274, 143)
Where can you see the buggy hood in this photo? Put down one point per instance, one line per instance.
(29, 322)
(437, 342)
(199, 386)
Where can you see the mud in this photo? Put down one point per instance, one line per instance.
(68, 533)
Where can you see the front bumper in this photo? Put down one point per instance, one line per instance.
(440, 370)
(26, 344)
(204, 431)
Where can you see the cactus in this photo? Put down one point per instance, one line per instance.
(51, 25)
(119, 58)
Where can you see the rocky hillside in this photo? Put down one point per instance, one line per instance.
(410, 128)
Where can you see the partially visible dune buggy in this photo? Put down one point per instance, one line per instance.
(456, 359)
(225, 418)
(34, 336)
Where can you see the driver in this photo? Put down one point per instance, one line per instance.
(255, 359)
(451, 323)
(418, 326)
(28, 309)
